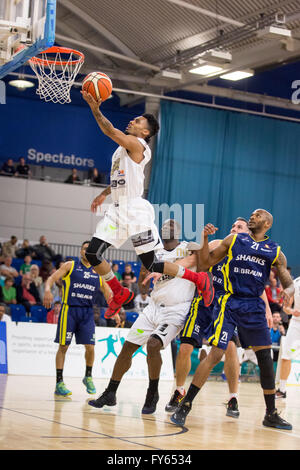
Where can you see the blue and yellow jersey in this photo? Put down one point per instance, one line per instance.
(218, 278)
(246, 269)
(80, 286)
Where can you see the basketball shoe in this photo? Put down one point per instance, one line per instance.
(90, 387)
(123, 297)
(181, 413)
(273, 420)
(280, 394)
(107, 398)
(150, 402)
(61, 390)
(232, 408)
(174, 401)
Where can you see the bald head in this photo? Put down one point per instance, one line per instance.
(260, 220)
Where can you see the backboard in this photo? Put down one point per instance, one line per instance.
(27, 27)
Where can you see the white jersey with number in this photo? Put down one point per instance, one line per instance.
(296, 298)
(170, 290)
(126, 176)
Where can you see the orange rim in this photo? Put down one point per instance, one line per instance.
(61, 50)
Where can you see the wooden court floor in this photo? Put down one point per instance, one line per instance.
(31, 418)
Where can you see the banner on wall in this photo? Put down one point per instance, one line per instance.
(31, 351)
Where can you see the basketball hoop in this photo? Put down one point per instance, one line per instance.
(56, 69)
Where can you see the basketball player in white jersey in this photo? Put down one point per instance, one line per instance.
(292, 340)
(160, 322)
(131, 216)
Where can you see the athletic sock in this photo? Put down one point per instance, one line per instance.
(270, 402)
(59, 375)
(113, 385)
(153, 385)
(232, 395)
(191, 393)
(194, 277)
(88, 371)
(282, 386)
(180, 390)
(109, 276)
(114, 285)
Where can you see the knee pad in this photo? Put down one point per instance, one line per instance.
(150, 263)
(265, 364)
(95, 251)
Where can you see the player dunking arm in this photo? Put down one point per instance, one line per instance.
(131, 216)
(160, 321)
(80, 285)
(246, 271)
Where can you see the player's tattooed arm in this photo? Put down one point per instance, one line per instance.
(208, 257)
(100, 199)
(284, 277)
(143, 287)
(55, 277)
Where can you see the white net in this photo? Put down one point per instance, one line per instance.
(56, 70)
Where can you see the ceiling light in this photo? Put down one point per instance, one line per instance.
(206, 69)
(21, 84)
(237, 75)
(274, 32)
(219, 57)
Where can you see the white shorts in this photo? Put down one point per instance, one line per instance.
(291, 343)
(130, 218)
(164, 322)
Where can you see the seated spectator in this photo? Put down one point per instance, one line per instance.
(3, 315)
(127, 282)
(140, 302)
(274, 294)
(52, 315)
(46, 269)
(6, 269)
(115, 270)
(27, 293)
(98, 320)
(128, 271)
(276, 331)
(95, 177)
(25, 250)
(9, 248)
(25, 267)
(73, 178)
(22, 168)
(8, 168)
(124, 323)
(35, 276)
(9, 292)
(43, 251)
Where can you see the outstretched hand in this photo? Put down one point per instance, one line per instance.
(154, 276)
(91, 101)
(209, 229)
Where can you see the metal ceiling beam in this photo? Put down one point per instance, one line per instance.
(80, 12)
(205, 12)
(109, 53)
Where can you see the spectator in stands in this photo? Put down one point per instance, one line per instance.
(95, 177)
(35, 276)
(9, 248)
(127, 282)
(7, 270)
(276, 331)
(274, 294)
(140, 302)
(23, 169)
(73, 178)
(46, 269)
(52, 315)
(3, 315)
(124, 323)
(25, 267)
(25, 250)
(98, 320)
(128, 271)
(27, 293)
(115, 270)
(8, 168)
(43, 251)
(9, 292)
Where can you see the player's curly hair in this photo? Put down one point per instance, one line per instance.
(153, 125)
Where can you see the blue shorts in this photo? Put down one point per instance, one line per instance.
(198, 323)
(248, 315)
(78, 321)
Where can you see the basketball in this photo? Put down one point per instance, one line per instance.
(98, 84)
